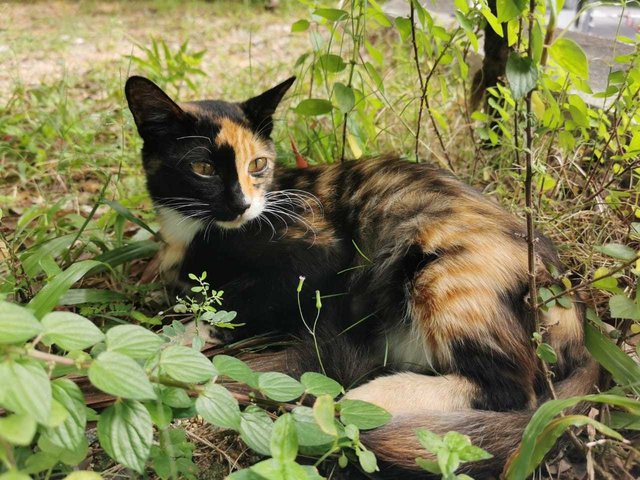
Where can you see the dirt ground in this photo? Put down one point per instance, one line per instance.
(46, 41)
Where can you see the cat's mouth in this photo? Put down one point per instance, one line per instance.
(253, 212)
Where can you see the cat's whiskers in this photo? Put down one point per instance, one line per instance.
(195, 136)
(194, 148)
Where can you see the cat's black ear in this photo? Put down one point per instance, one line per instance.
(153, 111)
(259, 110)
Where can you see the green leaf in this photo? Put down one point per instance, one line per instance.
(429, 465)
(17, 324)
(78, 296)
(570, 56)
(161, 415)
(622, 306)
(492, 21)
(324, 414)
(363, 415)
(236, 370)
(255, 430)
(284, 440)
(508, 9)
(367, 461)
(184, 364)
(331, 14)
(617, 250)
(14, 475)
(279, 387)
(70, 331)
(70, 434)
(125, 432)
(331, 63)
(126, 213)
(32, 258)
(300, 26)
(175, 397)
(345, 98)
(429, 440)
(307, 429)
(26, 389)
(18, 429)
(218, 407)
(523, 463)
(119, 375)
(313, 106)
(133, 341)
(546, 353)
(127, 253)
(624, 370)
(52, 292)
(522, 75)
(318, 384)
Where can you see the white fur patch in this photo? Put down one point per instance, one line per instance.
(176, 228)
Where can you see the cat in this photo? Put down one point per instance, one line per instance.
(423, 280)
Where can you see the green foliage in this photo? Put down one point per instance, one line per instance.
(72, 273)
(450, 450)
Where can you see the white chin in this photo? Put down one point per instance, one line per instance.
(253, 212)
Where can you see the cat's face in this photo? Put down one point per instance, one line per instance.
(207, 162)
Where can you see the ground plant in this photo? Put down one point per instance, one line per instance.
(99, 378)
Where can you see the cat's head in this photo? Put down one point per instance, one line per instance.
(208, 161)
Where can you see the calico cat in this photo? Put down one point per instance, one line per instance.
(424, 280)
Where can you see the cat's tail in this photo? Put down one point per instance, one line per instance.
(396, 445)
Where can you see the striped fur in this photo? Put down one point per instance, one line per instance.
(425, 279)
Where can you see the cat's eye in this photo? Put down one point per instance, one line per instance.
(204, 169)
(258, 165)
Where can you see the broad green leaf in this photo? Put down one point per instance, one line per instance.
(547, 353)
(508, 9)
(318, 384)
(255, 430)
(184, 364)
(133, 341)
(570, 56)
(279, 387)
(345, 98)
(284, 440)
(161, 415)
(363, 415)
(52, 292)
(14, 475)
(309, 433)
(429, 440)
(617, 250)
(522, 464)
(78, 296)
(18, 429)
(300, 26)
(26, 389)
(367, 460)
(125, 432)
(313, 106)
(70, 434)
(622, 306)
(17, 324)
(235, 369)
(331, 14)
(522, 75)
(324, 414)
(119, 375)
(428, 465)
(175, 397)
(491, 19)
(331, 63)
(624, 370)
(70, 331)
(218, 407)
